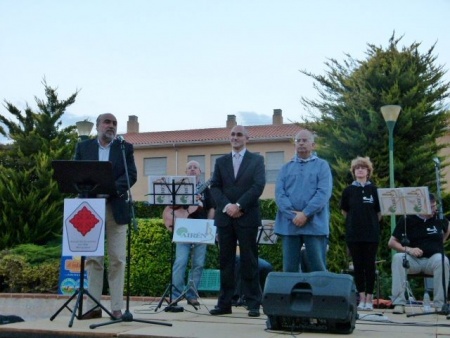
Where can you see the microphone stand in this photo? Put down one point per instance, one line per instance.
(128, 316)
(445, 308)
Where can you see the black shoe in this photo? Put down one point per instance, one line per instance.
(253, 313)
(217, 311)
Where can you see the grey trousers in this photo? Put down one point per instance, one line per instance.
(431, 266)
(116, 235)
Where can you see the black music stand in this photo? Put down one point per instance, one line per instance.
(84, 178)
(266, 233)
(171, 193)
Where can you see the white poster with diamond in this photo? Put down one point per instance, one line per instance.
(84, 227)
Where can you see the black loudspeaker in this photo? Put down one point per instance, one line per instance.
(317, 302)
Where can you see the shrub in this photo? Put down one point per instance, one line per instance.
(30, 268)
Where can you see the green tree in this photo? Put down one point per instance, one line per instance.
(31, 205)
(349, 122)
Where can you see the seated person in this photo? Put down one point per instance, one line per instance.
(264, 267)
(419, 241)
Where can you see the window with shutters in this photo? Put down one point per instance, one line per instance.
(274, 162)
(155, 166)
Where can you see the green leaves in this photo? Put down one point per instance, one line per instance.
(31, 205)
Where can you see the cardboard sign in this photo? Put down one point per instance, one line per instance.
(188, 230)
(84, 227)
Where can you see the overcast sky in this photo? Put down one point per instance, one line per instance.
(184, 64)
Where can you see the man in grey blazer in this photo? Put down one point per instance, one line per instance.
(106, 147)
(237, 183)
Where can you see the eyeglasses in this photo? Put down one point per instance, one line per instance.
(298, 140)
(237, 134)
(361, 167)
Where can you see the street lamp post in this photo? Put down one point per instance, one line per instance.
(390, 114)
(84, 129)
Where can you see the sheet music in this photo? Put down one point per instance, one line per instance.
(161, 190)
(404, 201)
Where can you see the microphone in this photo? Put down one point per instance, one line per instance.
(120, 139)
(436, 161)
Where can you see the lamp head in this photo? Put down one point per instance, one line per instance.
(84, 128)
(390, 112)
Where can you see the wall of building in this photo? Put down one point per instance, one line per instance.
(177, 157)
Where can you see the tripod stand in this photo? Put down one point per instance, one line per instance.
(174, 191)
(84, 178)
(128, 316)
(192, 236)
(184, 197)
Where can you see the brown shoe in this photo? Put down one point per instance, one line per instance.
(92, 314)
(193, 302)
(116, 315)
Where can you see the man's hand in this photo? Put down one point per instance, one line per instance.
(415, 252)
(198, 199)
(234, 211)
(300, 218)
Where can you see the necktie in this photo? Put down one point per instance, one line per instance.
(236, 163)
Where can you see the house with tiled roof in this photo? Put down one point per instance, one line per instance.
(166, 153)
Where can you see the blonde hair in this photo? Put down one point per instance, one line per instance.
(363, 162)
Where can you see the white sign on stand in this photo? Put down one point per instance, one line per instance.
(190, 230)
(404, 201)
(84, 227)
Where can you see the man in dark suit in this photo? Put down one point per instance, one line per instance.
(106, 147)
(237, 183)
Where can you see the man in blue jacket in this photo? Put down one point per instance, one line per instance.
(302, 193)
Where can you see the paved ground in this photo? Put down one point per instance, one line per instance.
(198, 323)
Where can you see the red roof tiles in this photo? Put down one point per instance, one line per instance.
(212, 135)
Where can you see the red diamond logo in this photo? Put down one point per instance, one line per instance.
(84, 221)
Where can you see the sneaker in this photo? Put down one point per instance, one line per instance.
(361, 306)
(399, 309)
(368, 307)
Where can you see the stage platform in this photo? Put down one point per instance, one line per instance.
(199, 324)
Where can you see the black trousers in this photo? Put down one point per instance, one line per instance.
(250, 287)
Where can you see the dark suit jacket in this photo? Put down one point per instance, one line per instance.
(88, 150)
(245, 189)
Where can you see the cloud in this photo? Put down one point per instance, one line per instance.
(247, 118)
